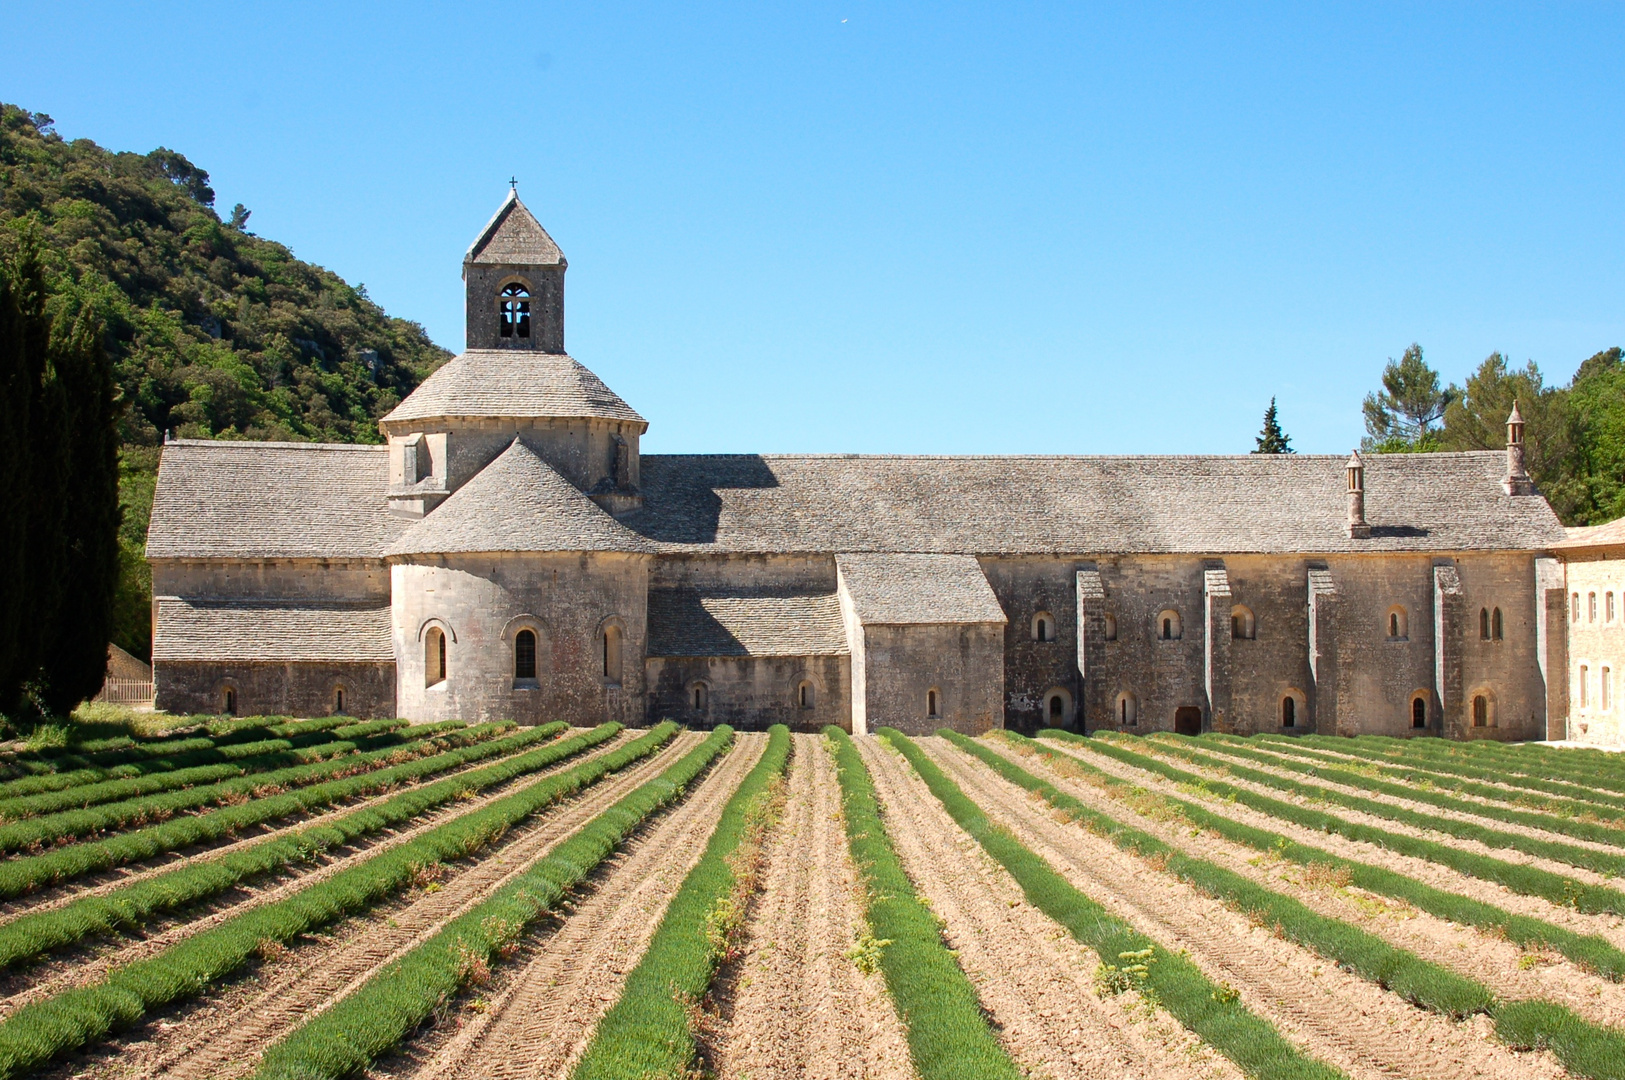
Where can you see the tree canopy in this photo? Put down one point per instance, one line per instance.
(1400, 416)
(213, 332)
(1272, 440)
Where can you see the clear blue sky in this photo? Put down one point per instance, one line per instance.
(932, 228)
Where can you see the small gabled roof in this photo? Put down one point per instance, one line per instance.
(517, 503)
(513, 383)
(514, 236)
(914, 589)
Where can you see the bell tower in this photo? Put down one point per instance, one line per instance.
(513, 281)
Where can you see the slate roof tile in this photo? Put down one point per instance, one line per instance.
(272, 632)
(516, 383)
(514, 236)
(897, 590)
(744, 622)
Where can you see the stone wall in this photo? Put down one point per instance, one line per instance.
(307, 689)
(751, 692)
(964, 664)
(1596, 643)
(482, 602)
(482, 285)
(583, 451)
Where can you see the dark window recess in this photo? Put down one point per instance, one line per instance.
(514, 307)
(524, 655)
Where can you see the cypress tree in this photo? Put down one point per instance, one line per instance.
(1272, 440)
(14, 399)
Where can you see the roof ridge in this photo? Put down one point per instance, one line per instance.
(278, 444)
(1339, 458)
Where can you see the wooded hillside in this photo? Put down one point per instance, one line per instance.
(214, 332)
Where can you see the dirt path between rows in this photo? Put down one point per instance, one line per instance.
(105, 881)
(225, 1036)
(1505, 968)
(69, 970)
(1358, 817)
(1334, 1015)
(1610, 927)
(795, 1006)
(541, 1016)
(1034, 979)
(1485, 820)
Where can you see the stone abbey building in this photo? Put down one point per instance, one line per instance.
(510, 553)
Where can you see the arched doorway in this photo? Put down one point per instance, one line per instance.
(1187, 720)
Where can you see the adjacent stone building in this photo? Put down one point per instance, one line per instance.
(510, 553)
(1593, 581)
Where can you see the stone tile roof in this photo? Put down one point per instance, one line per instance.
(1263, 503)
(514, 236)
(1588, 537)
(892, 590)
(513, 383)
(259, 500)
(272, 632)
(517, 503)
(744, 622)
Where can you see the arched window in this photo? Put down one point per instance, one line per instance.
(1398, 623)
(1242, 624)
(1495, 623)
(1057, 706)
(699, 696)
(338, 701)
(612, 653)
(1043, 626)
(1128, 709)
(524, 654)
(1591, 607)
(1419, 711)
(804, 695)
(434, 656)
(1576, 605)
(1608, 605)
(1605, 689)
(228, 701)
(514, 311)
(1289, 711)
(1108, 628)
(933, 704)
(1483, 624)
(1585, 684)
(1481, 710)
(1168, 625)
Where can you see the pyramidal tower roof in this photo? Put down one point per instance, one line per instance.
(517, 503)
(514, 236)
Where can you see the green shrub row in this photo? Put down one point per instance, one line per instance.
(66, 1021)
(1572, 800)
(1171, 979)
(948, 1034)
(1352, 776)
(344, 1039)
(1524, 758)
(124, 749)
(33, 934)
(1589, 1050)
(66, 825)
(1602, 862)
(1398, 970)
(272, 754)
(1589, 951)
(1527, 880)
(647, 1034)
(22, 875)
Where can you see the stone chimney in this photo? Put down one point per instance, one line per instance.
(1517, 481)
(1358, 529)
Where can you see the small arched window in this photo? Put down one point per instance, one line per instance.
(1576, 606)
(228, 701)
(612, 653)
(933, 703)
(1398, 623)
(1483, 624)
(1043, 626)
(1495, 624)
(1168, 628)
(434, 656)
(1419, 711)
(699, 696)
(1289, 711)
(1591, 607)
(804, 694)
(1128, 709)
(1243, 625)
(1585, 685)
(338, 701)
(1608, 605)
(524, 654)
(1481, 710)
(513, 309)
(1108, 628)
(1605, 689)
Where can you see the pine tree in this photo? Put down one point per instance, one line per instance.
(1272, 440)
